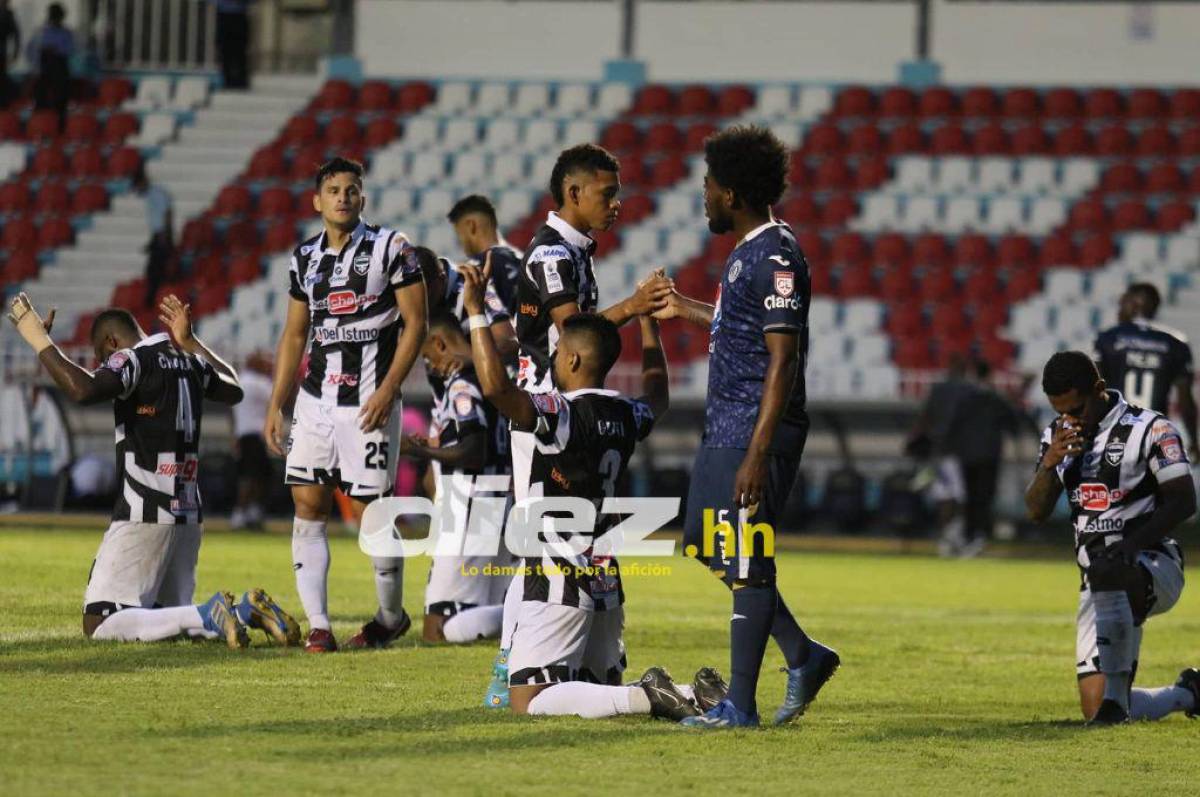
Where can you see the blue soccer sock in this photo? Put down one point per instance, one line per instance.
(749, 630)
(788, 634)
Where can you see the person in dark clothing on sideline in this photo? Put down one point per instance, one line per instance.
(49, 52)
(9, 31)
(233, 41)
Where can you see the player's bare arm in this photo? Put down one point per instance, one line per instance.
(691, 310)
(512, 402)
(1042, 493)
(784, 350)
(287, 359)
(469, 453)
(1188, 414)
(79, 384)
(655, 382)
(177, 317)
(413, 309)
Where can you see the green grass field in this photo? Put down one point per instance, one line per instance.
(957, 678)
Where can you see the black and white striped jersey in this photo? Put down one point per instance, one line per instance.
(582, 445)
(506, 273)
(460, 411)
(352, 307)
(557, 268)
(452, 302)
(158, 430)
(1111, 486)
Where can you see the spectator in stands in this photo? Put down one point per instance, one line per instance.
(253, 465)
(233, 41)
(160, 223)
(9, 31)
(49, 52)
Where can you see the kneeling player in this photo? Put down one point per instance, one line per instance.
(147, 557)
(465, 594)
(1129, 486)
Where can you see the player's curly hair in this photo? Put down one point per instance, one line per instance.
(1067, 371)
(580, 158)
(602, 337)
(750, 161)
(1148, 293)
(338, 165)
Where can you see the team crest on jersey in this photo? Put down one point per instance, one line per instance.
(1129, 419)
(116, 361)
(544, 402)
(785, 283)
(362, 263)
(1172, 449)
(735, 270)
(1114, 453)
(463, 405)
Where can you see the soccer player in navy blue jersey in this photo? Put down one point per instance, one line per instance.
(755, 421)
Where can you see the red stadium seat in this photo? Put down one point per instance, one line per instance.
(414, 96)
(119, 127)
(972, 250)
(305, 163)
(1103, 104)
(849, 247)
(696, 101)
(693, 140)
(800, 211)
(1089, 215)
(897, 284)
(1021, 103)
(42, 125)
(1156, 142)
(281, 236)
(335, 95)
(1063, 102)
(833, 175)
(821, 279)
(1015, 251)
(209, 269)
(81, 126)
(981, 287)
(1131, 214)
(267, 163)
(1096, 251)
(18, 266)
(19, 236)
(375, 95)
(1030, 140)
(607, 241)
(10, 126)
(668, 171)
(633, 172)
(245, 268)
(124, 162)
(89, 198)
(997, 352)
(938, 101)
(891, 249)
(733, 100)
(1189, 142)
(871, 173)
(1023, 284)
(904, 320)
(824, 139)
(948, 321)
(274, 203)
(1147, 104)
(301, 130)
(52, 198)
(1164, 178)
(663, 137)
(342, 132)
(857, 281)
(654, 100)
(636, 207)
(905, 139)
(49, 161)
(912, 353)
(992, 140)
(949, 139)
(113, 92)
(1058, 250)
(854, 101)
(14, 198)
(838, 210)
(621, 137)
(980, 101)
(930, 249)
(812, 245)
(129, 294)
(1122, 178)
(1114, 141)
(864, 140)
(989, 315)
(1073, 140)
(380, 132)
(241, 235)
(799, 175)
(1193, 186)
(87, 162)
(55, 232)
(198, 235)
(1185, 104)
(233, 200)
(897, 101)
(1174, 215)
(210, 299)
(937, 285)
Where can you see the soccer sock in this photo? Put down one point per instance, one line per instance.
(481, 622)
(1114, 641)
(749, 630)
(152, 625)
(389, 588)
(1154, 704)
(512, 607)
(788, 634)
(590, 701)
(310, 557)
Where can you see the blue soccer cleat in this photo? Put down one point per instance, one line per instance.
(803, 683)
(219, 618)
(497, 691)
(723, 715)
(257, 610)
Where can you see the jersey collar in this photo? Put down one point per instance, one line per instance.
(152, 340)
(352, 242)
(756, 232)
(1119, 408)
(569, 233)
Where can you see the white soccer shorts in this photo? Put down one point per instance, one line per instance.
(1166, 577)
(326, 445)
(143, 564)
(948, 484)
(553, 643)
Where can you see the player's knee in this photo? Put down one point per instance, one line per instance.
(1104, 575)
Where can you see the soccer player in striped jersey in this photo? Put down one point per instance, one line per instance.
(141, 583)
(474, 220)
(1129, 486)
(355, 292)
(755, 422)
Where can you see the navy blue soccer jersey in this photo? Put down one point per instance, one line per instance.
(765, 290)
(1144, 361)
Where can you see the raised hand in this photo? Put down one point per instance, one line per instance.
(177, 317)
(651, 294)
(475, 285)
(29, 324)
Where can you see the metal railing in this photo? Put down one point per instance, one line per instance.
(153, 34)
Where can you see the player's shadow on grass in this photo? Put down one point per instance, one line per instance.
(981, 731)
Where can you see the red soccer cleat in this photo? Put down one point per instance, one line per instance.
(376, 635)
(320, 641)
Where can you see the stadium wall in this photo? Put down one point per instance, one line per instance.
(1076, 43)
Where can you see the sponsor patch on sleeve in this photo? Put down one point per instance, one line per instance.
(1172, 449)
(545, 403)
(464, 407)
(554, 281)
(785, 283)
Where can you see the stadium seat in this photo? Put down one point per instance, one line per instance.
(380, 132)
(342, 132)
(981, 287)
(233, 200)
(1189, 142)
(949, 139)
(42, 126)
(52, 198)
(864, 139)
(897, 101)
(129, 294)
(414, 96)
(1021, 103)
(245, 268)
(375, 95)
(1016, 251)
(300, 130)
(272, 203)
(693, 140)
(241, 236)
(113, 91)
(1089, 215)
(153, 92)
(1185, 103)
(82, 126)
(1063, 103)
(991, 140)
(89, 198)
(813, 245)
(955, 175)
(1114, 141)
(775, 101)
(198, 235)
(891, 250)
(14, 198)
(930, 249)
(1121, 178)
(1005, 214)
(668, 171)
(1045, 214)
(211, 299)
(833, 175)
(1030, 140)
(856, 281)
(696, 101)
(897, 284)
(1096, 251)
(621, 137)
(1103, 103)
(1073, 140)
(1079, 175)
(49, 161)
(19, 236)
(824, 139)
(531, 99)
(972, 250)
(937, 285)
(907, 138)
(937, 101)
(55, 232)
(663, 137)
(980, 101)
(1056, 251)
(191, 92)
(119, 127)
(335, 95)
(1131, 214)
(871, 173)
(854, 101)
(879, 212)
(613, 98)
(1173, 215)
(849, 248)
(1157, 141)
(654, 100)
(994, 175)
(305, 163)
(800, 211)
(733, 100)
(10, 126)
(962, 213)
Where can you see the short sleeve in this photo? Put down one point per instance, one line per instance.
(464, 402)
(553, 428)
(295, 288)
(643, 418)
(554, 271)
(493, 305)
(1186, 370)
(1164, 452)
(127, 367)
(403, 268)
(781, 286)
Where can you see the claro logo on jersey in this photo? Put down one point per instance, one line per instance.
(1095, 497)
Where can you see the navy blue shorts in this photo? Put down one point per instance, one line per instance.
(748, 556)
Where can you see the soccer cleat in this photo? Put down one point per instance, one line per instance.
(804, 682)
(1109, 713)
(497, 691)
(375, 634)
(219, 618)
(1190, 679)
(320, 640)
(666, 701)
(722, 715)
(709, 688)
(258, 610)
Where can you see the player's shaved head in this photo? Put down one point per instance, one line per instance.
(596, 340)
(1067, 371)
(750, 161)
(447, 325)
(115, 321)
(580, 159)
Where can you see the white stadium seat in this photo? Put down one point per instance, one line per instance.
(435, 204)
(508, 168)
(1107, 285)
(1036, 176)
(775, 102)
(1079, 175)
(421, 131)
(580, 130)
(1005, 214)
(920, 213)
(955, 174)
(641, 243)
(1139, 249)
(790, 133)
(870, 349)
(1183, 253)
(678, 205)
(572, 99)
(1045, 214)
(861, 316)
(452, 98)
(493, 98)
(191, 92)
(460, 133)
(879, 212)
(427, 169)
(814, 101)
(1072, 320)
(994, 175)
(389, 164)
(685, 242)
(153, 91)
(822, 315)
(396, 202)
(469, 168)
(157, 129)
(502, 133)
(531, 99)
(541, 167)
(1064, 285)
(613, 99)
(962, 213)
(541, 134)
(914, 175)
(513, 205)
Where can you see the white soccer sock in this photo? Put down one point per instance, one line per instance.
(1154, 704)
(389, 589)
(512, 608)
(152, 625)
(1114, 641)
(481, 622)
(310, 557)
(590, 701)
